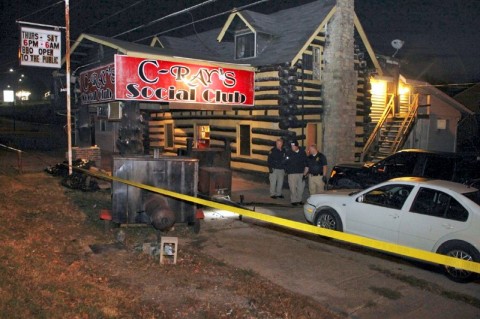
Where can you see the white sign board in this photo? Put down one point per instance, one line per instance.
(8, 96)
(39, 47)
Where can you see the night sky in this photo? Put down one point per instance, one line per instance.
(442, 37)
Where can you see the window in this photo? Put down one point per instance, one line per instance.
(401, 164)
(391, 196)
(169, 136)
(245, 45)
(438, 204)
(316, 63)
(103, 125)
(245, 140)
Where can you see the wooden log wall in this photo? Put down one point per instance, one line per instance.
(264, 117)
(362, 129)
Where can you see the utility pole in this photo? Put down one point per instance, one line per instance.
(67, 67)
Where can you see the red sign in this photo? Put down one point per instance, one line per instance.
(168, 81)
(98, 85)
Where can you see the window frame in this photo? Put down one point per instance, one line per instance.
(245, 33)
(165, 135)
(448, 205)
(363, 198)
(239, 139)
(316, 63)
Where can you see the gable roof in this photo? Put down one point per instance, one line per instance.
(256, 22)
(288, 31)
(428, 89)
(140, 50)
(281, 37)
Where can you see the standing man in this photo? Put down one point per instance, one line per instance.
(316, 170)
(295, 166)
(276, 162)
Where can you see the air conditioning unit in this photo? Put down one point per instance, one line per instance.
(114, 111)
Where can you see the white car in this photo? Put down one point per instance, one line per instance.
(434, 215)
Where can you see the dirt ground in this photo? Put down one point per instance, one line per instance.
(48, 268)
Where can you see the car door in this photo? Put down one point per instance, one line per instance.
(376, 212)
(432, 215)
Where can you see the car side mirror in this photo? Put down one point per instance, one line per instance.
(380, 169)
(360, 199)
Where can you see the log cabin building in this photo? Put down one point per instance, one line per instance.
(312, 65)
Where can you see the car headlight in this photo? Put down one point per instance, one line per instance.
(333, 173)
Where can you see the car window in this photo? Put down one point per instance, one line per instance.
(401, 164)
(436, 203)
(391, 196)
(439, 167)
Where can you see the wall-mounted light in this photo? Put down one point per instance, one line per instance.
(379, 87)
(403, 90)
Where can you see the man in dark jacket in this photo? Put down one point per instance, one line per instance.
(295, 166)
(276, 162)
(316, 170)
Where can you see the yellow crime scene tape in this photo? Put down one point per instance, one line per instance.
(350, 238)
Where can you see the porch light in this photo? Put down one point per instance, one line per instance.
(379, 87)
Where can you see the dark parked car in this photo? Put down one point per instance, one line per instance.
(410, 162)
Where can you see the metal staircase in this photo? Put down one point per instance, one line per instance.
(391, 131)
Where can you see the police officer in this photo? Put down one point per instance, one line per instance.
(276, 167)
(295, 166)
(316, 170)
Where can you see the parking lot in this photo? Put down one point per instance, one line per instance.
(348, 280)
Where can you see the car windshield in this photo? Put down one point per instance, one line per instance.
(473, 196)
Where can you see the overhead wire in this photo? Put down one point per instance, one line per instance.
(198, 36)
(40, 10)
(165, 17)
(201, 20)
(112, 15)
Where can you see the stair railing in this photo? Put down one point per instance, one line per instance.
(406, 126)
(389, 108)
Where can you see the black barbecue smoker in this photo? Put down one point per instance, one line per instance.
(132, 205)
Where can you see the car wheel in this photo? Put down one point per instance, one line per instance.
(329, 219)
(462, 250)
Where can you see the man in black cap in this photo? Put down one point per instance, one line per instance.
(276, 167)
(295, 166)
(316, 170)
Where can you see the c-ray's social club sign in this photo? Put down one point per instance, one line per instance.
(39, 47)
(153, 80)
(98, 85)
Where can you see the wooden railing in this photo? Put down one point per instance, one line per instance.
(390, 108)
(406, 126)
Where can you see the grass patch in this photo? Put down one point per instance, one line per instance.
(246, 272)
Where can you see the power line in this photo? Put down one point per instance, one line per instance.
(165, 17)
(201, 20)
(40, 10)
(112, 15)
(446, 84)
